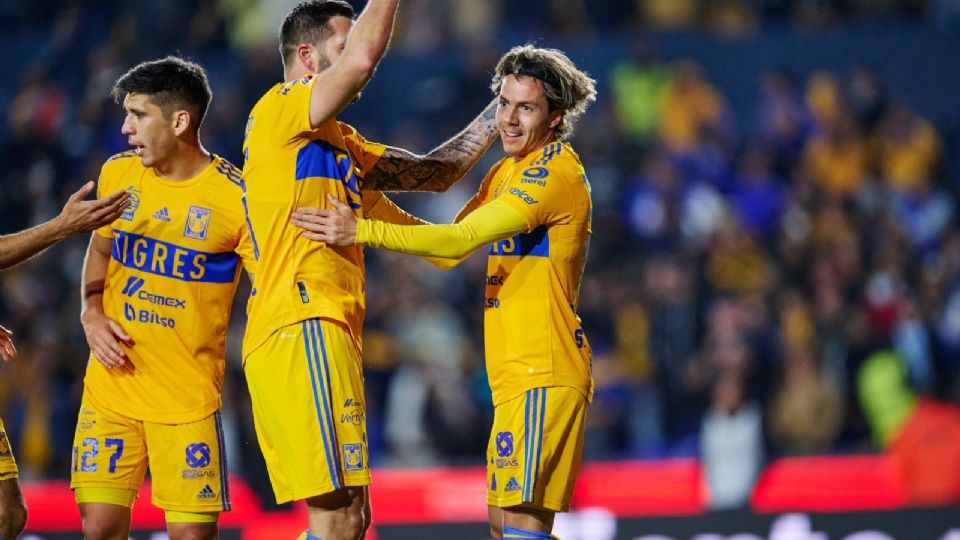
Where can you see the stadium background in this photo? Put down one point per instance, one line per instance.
(775, 186)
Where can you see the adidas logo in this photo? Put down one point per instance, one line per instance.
(206, 493)
(512, 485)
(162, 214)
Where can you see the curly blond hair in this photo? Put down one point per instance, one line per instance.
(566, 88)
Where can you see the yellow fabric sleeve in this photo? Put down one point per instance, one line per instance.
(192, 517)
(117, 496)
(488, 223)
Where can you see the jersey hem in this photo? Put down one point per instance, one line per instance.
(154, 417)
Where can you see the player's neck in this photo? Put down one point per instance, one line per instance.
(187, 162)
(297, 71)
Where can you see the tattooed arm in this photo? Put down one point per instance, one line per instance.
(400, 170)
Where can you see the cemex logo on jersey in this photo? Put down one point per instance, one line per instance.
(133, 290)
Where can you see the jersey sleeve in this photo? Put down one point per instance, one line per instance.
(488, 223)
(541, 195)
(365, 154)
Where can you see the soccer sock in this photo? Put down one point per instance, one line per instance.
(305, 535)
(523, 534)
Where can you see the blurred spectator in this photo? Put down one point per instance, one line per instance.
(731, 443)
(639, 84)
(907, 148)
(692, 109)
(836, 158)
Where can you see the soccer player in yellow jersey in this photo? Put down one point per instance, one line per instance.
(157, 288)
(78, 215)
(302, 343)
(533, 208)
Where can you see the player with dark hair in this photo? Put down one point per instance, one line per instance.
(302, 343)
(533, 209)
(78, 215)
(157, 289)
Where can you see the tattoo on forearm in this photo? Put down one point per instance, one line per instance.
(400, 170)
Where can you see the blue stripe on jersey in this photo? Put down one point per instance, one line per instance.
(327, 400)
(535, 243)
(322, 159)
(536, 462)
(514, 532)
(170, 260)
(246, 216)
(311, 347)
(230, 172)
(529, 421)
(222, 456)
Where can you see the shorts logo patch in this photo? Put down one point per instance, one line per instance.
(353, 457)
(504, 443)
(198, 455)
(206, 493)
(198, 220)
(512, 485)
(493, 482)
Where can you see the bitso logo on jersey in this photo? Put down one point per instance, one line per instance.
(198, 221)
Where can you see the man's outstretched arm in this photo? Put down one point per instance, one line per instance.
(400, 170)
(78, 215)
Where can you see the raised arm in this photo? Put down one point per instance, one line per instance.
(400, 170)
(338, 85)
(78, 215)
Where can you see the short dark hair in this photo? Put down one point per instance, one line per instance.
(307, 23)
(172, 83)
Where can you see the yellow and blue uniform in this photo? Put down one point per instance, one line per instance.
(175, 262)
(302, 342)
(8, 466)
(537, 209)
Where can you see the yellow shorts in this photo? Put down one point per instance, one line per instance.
(306, 387)
(535, 447)
(8, 465)
(187, 461)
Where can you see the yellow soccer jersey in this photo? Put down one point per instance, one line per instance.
(532, 333)
(288, 165)
(170, 282)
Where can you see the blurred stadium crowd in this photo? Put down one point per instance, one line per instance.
(746, 261)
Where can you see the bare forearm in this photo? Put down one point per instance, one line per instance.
(18, 247)
(400, 170)
(94, 275)
(370, 36)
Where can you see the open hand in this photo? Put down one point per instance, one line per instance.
(336, 226)
(80, 215)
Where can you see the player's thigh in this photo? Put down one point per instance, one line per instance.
(188, 466)
(535, 448)
(306, 387)
(102, 520)
(109, 451)
(8, 465)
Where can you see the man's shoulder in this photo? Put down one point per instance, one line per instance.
(121, 165)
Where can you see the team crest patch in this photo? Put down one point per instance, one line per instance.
(353, 457)
(198, 221)
(131, 210)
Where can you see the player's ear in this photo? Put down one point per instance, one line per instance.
(557, 118)
(181, 122)
(305, 56)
